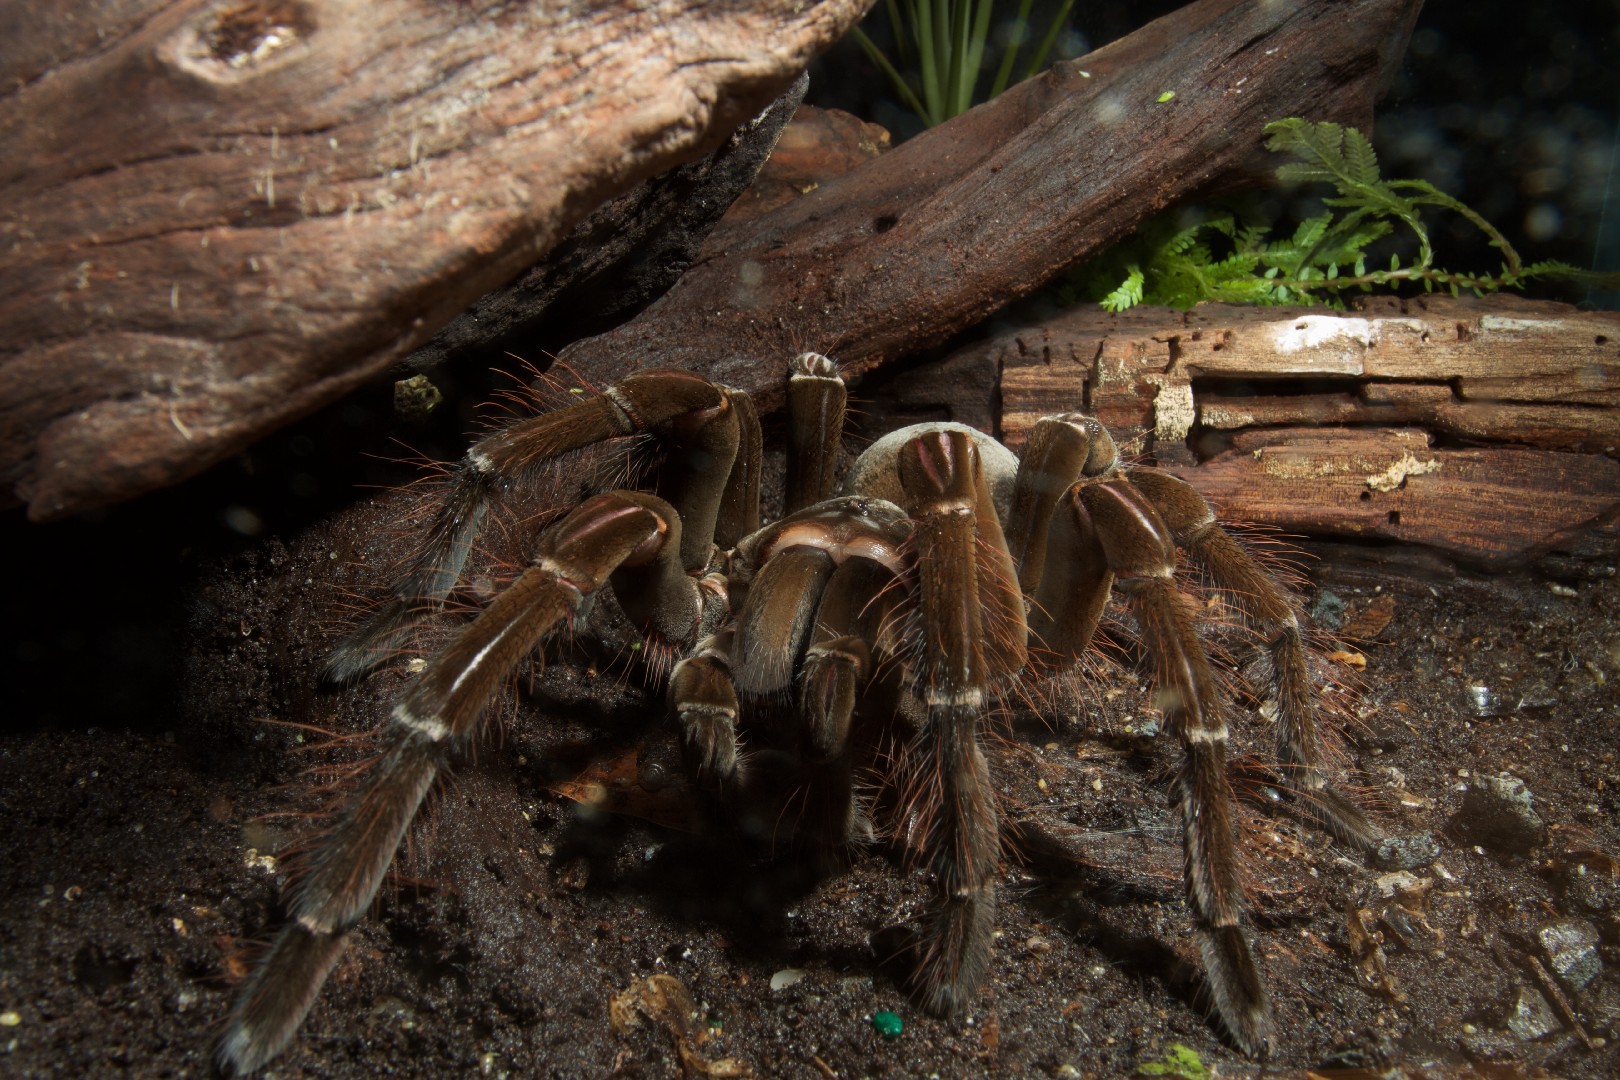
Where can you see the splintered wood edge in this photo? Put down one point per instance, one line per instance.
(1305, 405)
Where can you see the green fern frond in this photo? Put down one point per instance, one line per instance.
(1327, 255)
(1129, 292)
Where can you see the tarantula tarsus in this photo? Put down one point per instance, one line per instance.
(947, 571)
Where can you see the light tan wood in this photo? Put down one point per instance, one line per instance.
(1499, 441)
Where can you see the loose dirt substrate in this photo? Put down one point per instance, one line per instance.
(135, 874)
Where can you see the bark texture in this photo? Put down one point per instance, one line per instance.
(219, 215)
(928, 239)
(1488, 430)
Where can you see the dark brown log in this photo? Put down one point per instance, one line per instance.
(933, 236)
(218, 216)
(1326, 423)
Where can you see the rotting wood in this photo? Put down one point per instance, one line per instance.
(218, 216)
(1486, 429)
(1494, 507)
(908, 249)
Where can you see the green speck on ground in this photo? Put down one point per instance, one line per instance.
(1179, 1061)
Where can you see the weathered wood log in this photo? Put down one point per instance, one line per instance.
(622, 257)
(928, 239)
(218, 216)
(1486, 429)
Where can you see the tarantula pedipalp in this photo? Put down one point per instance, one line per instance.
(948, 570)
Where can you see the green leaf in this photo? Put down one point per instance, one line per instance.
(1179, 1061)
(1128, 294)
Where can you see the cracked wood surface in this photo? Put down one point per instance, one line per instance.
(1488, 430)
(218, 216)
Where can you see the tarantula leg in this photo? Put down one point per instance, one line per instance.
(970, 635)
(1074, 587)
(1281, 672)
(776, 621)
(739, 506)
(1060, 450)
(703, 700)
(693, 415)
(839, 659)
(657, 594)
(434, 722)
(1141, 555)
(702, 450)
(816, 402)
(795, 557)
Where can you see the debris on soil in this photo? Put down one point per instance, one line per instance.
(1406, 852)
(1496, 813)
(665, 1000)
(137, 864)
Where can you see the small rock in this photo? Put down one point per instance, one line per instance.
(1496, 813)
(1406, 852)
(1483, 701)
(1532, 1018)
(1571, 946)
(787, 977)
(1590, 889)
(1327, 610)
(416, 397)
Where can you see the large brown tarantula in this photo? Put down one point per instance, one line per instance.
(915, 601)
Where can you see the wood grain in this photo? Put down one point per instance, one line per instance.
(1488, 430)
(218, 215)
(930, 238)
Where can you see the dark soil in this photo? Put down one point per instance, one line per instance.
(135, 873)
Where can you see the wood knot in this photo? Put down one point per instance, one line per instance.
(233, 40)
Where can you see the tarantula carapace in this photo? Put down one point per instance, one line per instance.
(899, 614)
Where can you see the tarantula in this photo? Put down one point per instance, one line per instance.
(946, 571)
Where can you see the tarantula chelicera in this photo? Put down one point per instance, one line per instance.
(900, 612)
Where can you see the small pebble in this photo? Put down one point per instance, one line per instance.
(1532, 1018)
(1406, 852)
(786, 978)
(1483, 701)
(1328, 610)
(1496, 813)
(1571, 946)
(887, 1024)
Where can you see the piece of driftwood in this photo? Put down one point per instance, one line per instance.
(1487, 429)
(218, 215)
(908, 249)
